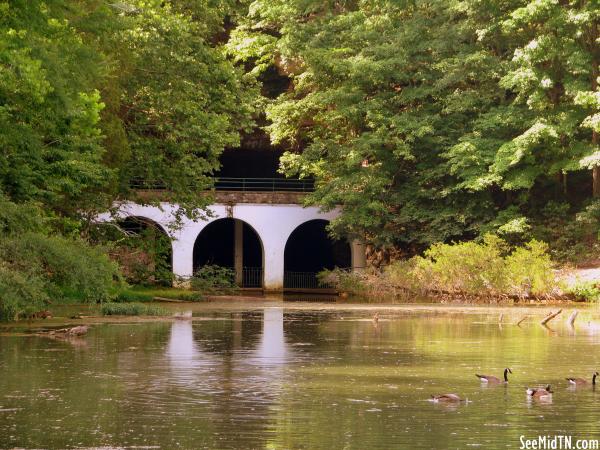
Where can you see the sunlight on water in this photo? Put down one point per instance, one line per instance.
(281, 378)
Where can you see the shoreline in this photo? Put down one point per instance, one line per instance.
(500, 314)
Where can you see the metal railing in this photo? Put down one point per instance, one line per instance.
(304, 280)
(240, 184)
(252, 277)
(264, 184)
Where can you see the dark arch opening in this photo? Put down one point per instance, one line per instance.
(148, 256)
(309, 250)
(216, 245)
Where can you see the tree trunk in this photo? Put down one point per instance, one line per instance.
(596, 183)
(596, 169)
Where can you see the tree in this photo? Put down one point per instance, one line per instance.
(429, 122)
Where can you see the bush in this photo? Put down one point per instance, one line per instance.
(486, 268)
(143, 251)
(131, 309)
(528, 270)
(343, 280)
(469, 267)
(585, 291)
(20, 295)
(68, 266)
(213, 278)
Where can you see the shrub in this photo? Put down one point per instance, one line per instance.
(214, 278)
(486, 268)
(20, 295)
(68, 265)
(466, 267)
(344, 280)
(131, 309)
(142, 249)
(528, 270)
(585, 291)
(39, 265)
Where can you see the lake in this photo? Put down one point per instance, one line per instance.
(284, 375)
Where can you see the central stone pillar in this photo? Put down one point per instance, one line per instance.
(183, 262)
(273, 268)
(359, 255)
(238, 251)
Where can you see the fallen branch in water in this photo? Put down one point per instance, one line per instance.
(170, 300)
(522, 319)
(550, 316)
(572, 318)
(72, 331)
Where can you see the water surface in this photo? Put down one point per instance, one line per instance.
(277, 377)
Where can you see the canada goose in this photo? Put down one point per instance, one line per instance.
(491, 379)
(581, 381)
(446, 398)
(540, 393)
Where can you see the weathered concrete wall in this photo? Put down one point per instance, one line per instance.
(273, 223)
(234, 197)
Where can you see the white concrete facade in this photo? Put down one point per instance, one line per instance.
(273, 223)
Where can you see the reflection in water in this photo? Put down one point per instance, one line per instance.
(182, 350)
(277, 378)
(272, 349)
(188, 364)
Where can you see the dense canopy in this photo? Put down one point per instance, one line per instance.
(423, 121)
(430, 121)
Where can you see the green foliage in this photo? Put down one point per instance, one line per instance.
(132, 309)
(486, 268)
(370, 284)
(38, 265)
(95, 97)
(214, 278)
(147, 257)
(422, 137)
(588, 291)
(144, 294)
(343, 280)
(20, 294)
(67, 265)
(179, 100)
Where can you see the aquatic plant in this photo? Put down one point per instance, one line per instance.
(131, 309)
(147, 294)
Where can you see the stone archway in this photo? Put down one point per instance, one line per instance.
(231, 243)
(309, 250)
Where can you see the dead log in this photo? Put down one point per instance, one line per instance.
(169, 300)
(550, 316)
(572, 318)
(522, 319)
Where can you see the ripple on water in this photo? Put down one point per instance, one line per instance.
(313, 381)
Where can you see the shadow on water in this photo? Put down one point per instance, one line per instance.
(319, 298)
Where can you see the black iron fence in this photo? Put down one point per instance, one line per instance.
(304, 280)
(241, 185)
(264, 184)
(252, 277)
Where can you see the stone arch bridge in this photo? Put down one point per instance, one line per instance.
(269, 238)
